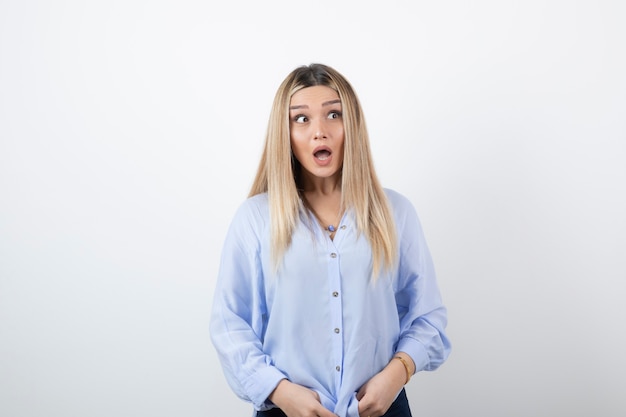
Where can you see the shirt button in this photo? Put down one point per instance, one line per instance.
(335, 294)
(338, 368)
(336, 330)
(333, 255)
(343, 227)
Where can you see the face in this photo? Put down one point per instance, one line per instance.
(316, 128)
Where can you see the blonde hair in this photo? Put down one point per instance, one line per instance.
(361, 191)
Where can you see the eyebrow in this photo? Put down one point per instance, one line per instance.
(304, 106)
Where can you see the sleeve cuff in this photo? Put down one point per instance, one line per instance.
(261, 384)
(416, 351)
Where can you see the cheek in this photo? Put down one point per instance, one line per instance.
(297, 147)
(339, 135)
(338, 132)
(297, 135)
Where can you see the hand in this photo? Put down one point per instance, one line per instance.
(376, 395)
(298, 401)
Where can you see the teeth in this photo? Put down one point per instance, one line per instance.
(322, 155)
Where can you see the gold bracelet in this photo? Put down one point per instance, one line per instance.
(406, 368)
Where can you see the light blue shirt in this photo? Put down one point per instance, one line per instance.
(321, 321)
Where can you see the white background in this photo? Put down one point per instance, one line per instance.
(130, 131)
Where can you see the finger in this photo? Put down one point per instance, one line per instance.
(364, 403)
(363, 411)
(360, 394)
(323, 412)
(317, 396)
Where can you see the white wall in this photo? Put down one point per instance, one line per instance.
(130, 130)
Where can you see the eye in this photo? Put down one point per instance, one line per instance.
(334, 115)
(300, 118)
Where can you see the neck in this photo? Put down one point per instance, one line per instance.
(323, 197)
(322, 187)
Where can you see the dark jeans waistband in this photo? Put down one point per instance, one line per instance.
(399, 408)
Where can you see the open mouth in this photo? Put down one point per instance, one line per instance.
(322, 154)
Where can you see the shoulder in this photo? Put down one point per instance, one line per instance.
(257, 204)
(252, 214)
(398, 202)
(404, 212)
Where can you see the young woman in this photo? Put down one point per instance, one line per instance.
(326, 302)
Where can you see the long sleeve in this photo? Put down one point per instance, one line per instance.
(423, 317)
(239, 311)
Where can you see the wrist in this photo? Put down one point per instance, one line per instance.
(405, 362)
(405, 366)
(276, 395)
(396, 373)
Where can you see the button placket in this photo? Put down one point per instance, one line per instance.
(334, 282)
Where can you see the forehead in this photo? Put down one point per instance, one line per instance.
(311, 96)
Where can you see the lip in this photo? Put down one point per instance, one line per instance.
(323, 162)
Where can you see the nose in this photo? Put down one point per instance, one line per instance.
(319, 131)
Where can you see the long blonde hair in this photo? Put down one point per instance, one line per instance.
(361, 191)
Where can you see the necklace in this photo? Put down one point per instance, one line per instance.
(331, 227)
